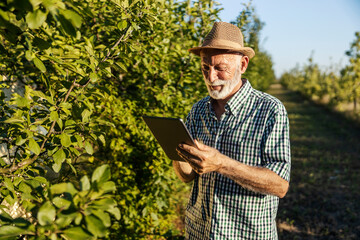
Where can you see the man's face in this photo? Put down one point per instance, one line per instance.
(222, 72)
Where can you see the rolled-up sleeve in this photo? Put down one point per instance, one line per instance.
(276, 154)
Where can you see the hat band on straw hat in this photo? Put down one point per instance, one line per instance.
(221, 43)
(224, 36)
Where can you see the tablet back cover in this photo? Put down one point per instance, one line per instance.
(169, 132)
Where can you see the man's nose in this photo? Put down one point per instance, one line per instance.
(212, 75)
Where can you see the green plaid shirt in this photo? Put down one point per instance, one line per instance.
(253, 130)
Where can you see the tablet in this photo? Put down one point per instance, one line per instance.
(169, 132)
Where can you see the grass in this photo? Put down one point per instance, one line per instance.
(323, 199)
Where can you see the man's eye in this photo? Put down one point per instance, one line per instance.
(205, 68)
(221, 69)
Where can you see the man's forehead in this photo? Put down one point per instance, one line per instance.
(210, 55)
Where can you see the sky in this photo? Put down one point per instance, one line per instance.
(297, 29)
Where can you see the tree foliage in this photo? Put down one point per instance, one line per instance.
(260, 71)
(340, 88)
(89, 71)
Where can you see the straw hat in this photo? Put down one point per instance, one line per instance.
(224, 36)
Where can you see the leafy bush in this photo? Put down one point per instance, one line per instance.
(60, 210)
(90, 70)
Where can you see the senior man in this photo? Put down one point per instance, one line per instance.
(241, 164)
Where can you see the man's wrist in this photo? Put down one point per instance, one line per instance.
(220, 159)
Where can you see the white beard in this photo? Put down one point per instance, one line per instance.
(227, 86)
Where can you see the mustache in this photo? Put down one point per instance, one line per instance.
(218, 82)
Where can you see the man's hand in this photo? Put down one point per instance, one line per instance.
(202, 158)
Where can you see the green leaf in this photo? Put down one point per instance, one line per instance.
(56, 167)
(35, 19)
(46, 214)
(69, 162)
(20, 141)
(67, 25)
(22, 102)
(61, 203)
(62, 188)
(39, 64)
(41, 180)
(60, 123)
(21, 222)
(101, 174)
(122, 25)
(154, 216)
(74, 150)
(59, 156)
(79, 141)
(85, 183)
(65, 105)
(95, 226)
(8, 184)
(104, 216)
(11, 199)
(7, 232)
(14, 120)
(54, 116)
(115, 212)
(17, 180)
(29, 55)
(93, 77)
(2, 162)
(108, 187)
(65, 140)
(104, 203)
(34, 146)
(122, 66)
(102, 139)
(76, 233)
(64, 220)
(88, 148)
(23, 187)
(35, 3)
(85, 116)
(74, 18)
(78, 218)
(5, 217)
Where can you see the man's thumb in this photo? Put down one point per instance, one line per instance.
(198, 144)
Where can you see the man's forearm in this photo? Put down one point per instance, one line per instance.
(257, 179)
(184, 171)
(205, 159)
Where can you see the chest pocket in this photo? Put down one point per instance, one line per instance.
(206, 132)
(242, 141)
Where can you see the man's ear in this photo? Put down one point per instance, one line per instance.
(244, 63)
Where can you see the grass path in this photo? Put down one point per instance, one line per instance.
(323, 201)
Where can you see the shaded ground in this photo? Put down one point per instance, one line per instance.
(324, 197)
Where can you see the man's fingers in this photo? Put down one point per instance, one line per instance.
(197, 143)
(188, 156)
(183, 154)
(200, 145)
(190, 149)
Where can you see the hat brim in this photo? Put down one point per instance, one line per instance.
(244, 50)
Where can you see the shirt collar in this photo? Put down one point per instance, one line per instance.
(235, 102)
